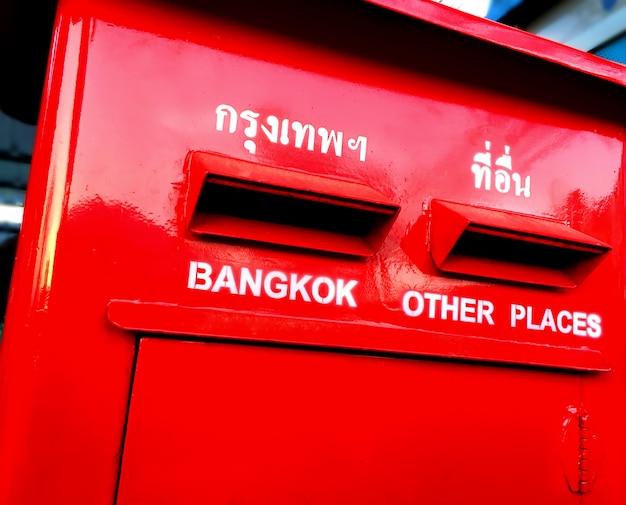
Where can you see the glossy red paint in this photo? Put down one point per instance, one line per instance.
(149, 359)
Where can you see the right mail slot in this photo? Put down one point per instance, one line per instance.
(510, 246)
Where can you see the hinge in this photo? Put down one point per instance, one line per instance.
(581, 453)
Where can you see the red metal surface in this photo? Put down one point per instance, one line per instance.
(394, 381)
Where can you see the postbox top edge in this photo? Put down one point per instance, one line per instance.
(508, 37)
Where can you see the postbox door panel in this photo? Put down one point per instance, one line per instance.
(220, 423)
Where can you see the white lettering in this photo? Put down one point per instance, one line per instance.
(277, 290)
(580, 324)
(450, 307)
(594, 322)
(297, 286)
(225, 279)
(548, 320)
(277, 129)
(529, 319)
(444, 307)
(432, 304)
(325, 290)
(246, 281)
(518, 313)
(468, 309)
(192, 278)
(199, 271)
(564, 328)
(274, 284)
(407, 303)
(485, 310)
(344, 291)
(317, 291)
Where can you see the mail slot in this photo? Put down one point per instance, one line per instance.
(317, 252)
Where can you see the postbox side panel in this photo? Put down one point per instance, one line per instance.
(221, 423)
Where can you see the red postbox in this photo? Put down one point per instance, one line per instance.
(317, 252)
